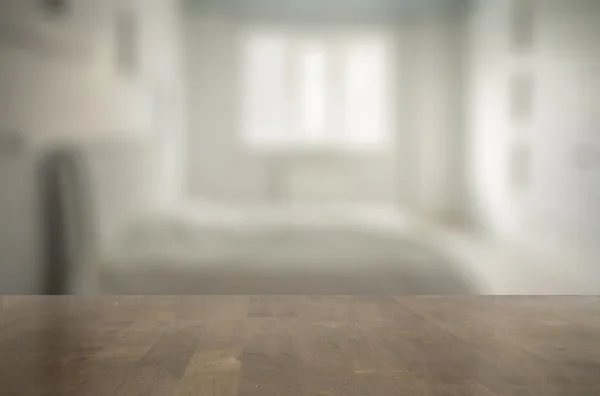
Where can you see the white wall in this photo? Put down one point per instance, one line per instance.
(559, 209)
(565, 130)
(60, 85)
(488, 123)
(434, 109)
(163, 60)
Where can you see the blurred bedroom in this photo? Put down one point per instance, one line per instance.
(287, 147)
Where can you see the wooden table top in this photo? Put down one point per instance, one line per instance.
(296, 345)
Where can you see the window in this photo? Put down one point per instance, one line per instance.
(315, 90)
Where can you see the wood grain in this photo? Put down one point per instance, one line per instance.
(300, 345)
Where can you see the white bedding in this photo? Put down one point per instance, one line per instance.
(278, 251)
(266, 236)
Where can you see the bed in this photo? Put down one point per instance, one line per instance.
(217, 250)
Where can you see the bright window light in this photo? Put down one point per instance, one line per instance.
(307, 91)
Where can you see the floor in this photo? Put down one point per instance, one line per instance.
(300, 345)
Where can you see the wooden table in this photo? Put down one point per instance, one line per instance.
(297, 345)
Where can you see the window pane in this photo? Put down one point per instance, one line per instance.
(264, 97)
(313, 94)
